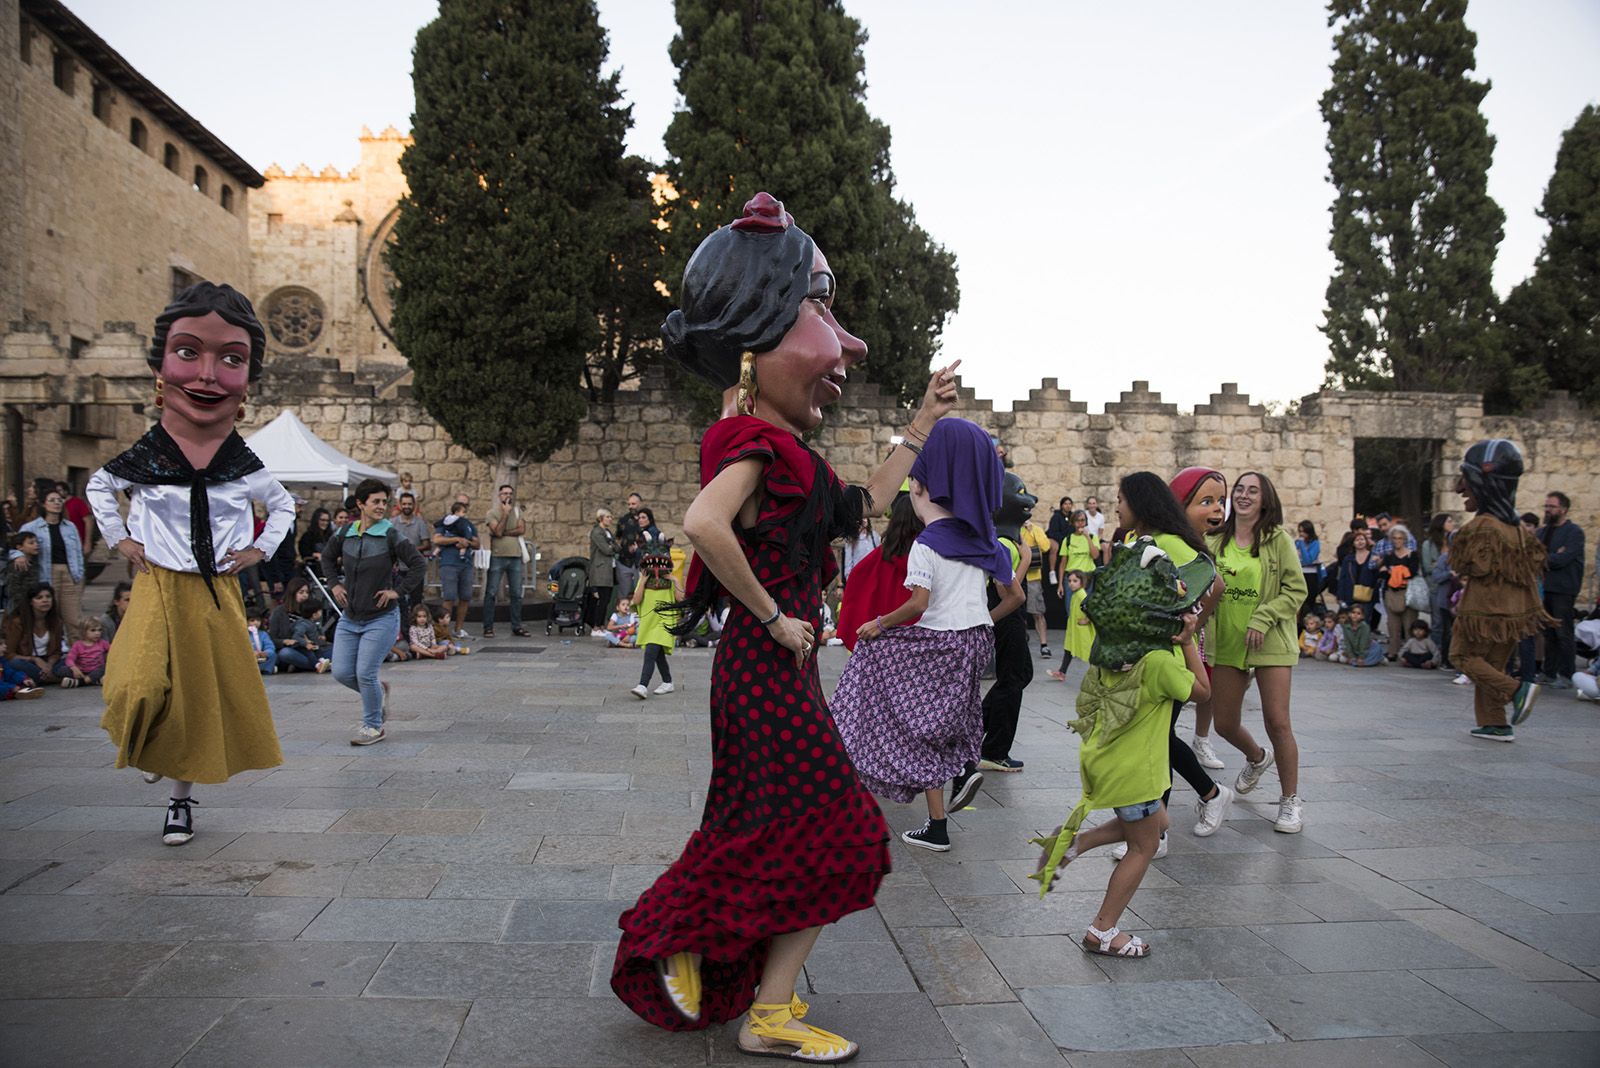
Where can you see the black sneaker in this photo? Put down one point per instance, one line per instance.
(179, 827)
(488, 632)
(929, 837)
(964, 787)
(1003, 764)
(1493, 734)
(1044, 651)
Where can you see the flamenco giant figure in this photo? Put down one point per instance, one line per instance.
(183, 694)
(789, 840)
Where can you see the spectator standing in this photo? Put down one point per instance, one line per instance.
(1399, 569)
(419, 532)
(506, 528)
(629, 544)
(456, 537)
(853, 549)
(1309, 549)
(79, 513)
(1038, 544)
(1059, 530)
(1563, 578)
(278, 568)
(602, 567)
(60, 554)
(1094, 517)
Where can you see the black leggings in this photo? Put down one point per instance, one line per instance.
(1183, 760)
(655, 656)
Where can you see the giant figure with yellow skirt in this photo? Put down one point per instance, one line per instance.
(184, 698)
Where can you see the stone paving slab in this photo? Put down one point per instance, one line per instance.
(451, 895)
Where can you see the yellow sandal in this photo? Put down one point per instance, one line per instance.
(813, 1044)
(680, 978)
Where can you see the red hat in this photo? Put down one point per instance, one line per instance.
(1185, 482)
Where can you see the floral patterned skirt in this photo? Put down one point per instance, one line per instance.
(909, 710)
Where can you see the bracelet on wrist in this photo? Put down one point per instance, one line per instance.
(911, 428)
(897, 442)
(773, 618)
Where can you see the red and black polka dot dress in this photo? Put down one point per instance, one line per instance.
(789, 839)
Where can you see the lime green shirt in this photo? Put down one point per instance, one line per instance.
(1242, 574)
(1080, 552)
(1129, 765)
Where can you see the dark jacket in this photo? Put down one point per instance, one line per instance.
(368, 561)
(602, 554)
(1563, 572)
(1352, 574)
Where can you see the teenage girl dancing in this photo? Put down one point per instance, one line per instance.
(907, 706)
(1147, 508)
(1253, 632)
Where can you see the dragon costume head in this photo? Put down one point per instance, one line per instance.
(1137, 602)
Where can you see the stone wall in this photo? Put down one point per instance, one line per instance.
(101, 223)
(645, 441)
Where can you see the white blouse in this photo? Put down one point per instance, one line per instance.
(158, 517)
(957, 595)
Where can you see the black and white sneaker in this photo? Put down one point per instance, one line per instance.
(931, 835)
(1003, 764)
(964, 787)
(1044, 651)
(180, 822)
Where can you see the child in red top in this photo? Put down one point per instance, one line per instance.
(86, 660)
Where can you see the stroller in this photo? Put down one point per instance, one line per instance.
(569, 585)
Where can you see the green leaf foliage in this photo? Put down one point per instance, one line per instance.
(1414, 232)
(501, 255)
(634, 305)
(774, 98)
(1551, 321)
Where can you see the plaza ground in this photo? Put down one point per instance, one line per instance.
(450, 895)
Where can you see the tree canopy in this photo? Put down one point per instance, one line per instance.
(774, 98)
(1410, 305)
(1551, 321)
(501, 247)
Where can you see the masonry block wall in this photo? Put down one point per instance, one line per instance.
(646, 441)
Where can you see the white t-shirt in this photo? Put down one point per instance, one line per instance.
(956, 596)
(1097, 522)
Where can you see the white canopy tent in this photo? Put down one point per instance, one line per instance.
(294, 454)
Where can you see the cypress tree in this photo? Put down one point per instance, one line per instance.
(1414, 230)
(500, 255)
(774, 98)
(1551, 320)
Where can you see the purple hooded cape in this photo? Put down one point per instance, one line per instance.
(959, 469)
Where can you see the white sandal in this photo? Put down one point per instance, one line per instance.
(1133, 947)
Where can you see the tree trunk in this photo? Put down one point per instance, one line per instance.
(507, 463)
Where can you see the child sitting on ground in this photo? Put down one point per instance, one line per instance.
(622, 626)
(1311, 636)
(1359, 647)
(14, 682)
(307, 633)
(1419, 650)
(86, 660)
(1330, 646)
(443, 634)
(424, 641)
(261, 643)
(1144, 659)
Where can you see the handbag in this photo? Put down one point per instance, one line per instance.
(527, 555)
(1361, 594)
(1417, 596)
(481, 558)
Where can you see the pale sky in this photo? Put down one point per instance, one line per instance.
(1133, 191)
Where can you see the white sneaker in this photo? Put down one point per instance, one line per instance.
(461, 634)
(1205, 754)
(665, 687)
(1461, 680)
(1289, 815)
(640, 692)
(1120, 850)
(1251, 775)
(1213, 812)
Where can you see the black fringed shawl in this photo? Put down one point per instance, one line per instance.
(156, 460)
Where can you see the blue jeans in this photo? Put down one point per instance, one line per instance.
(511, 567)
(358, 648)
(269, 666)
(295, 657)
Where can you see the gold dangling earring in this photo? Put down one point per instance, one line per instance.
(747, 383)
(238, 416)
(159, 385)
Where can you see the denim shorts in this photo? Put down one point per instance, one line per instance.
(1135, 813)
(455, 583)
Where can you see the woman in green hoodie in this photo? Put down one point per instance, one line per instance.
(1253, 630)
